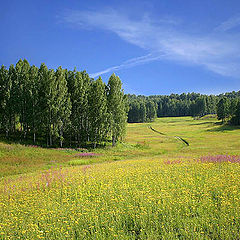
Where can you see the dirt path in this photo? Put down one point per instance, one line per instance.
(177, 137)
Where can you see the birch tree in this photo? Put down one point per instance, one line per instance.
(116, 108)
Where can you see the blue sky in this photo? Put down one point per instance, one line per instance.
(155, 47)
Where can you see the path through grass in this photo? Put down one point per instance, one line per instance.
(159, 189)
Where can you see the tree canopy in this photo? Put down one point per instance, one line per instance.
(185, 104)
(60, 107)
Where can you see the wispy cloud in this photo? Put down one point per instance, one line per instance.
(229, 24)
(216, 51)
(129, 63)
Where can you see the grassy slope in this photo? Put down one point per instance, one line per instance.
(141, 197)
(205, 137)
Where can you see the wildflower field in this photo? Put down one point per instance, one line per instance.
(152, 186)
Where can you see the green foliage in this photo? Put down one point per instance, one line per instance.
(5, 90)
(175, 105)
(97, 103)
(223, 108)
(78, 87)
(60, 107)
(200, 106)
(235, 113)
(152, 194)
(33, 108)
(229, 108)
(151, 112)
(203, 135)
(137, 111)
(116, 106)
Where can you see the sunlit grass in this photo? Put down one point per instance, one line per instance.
(204, 136)
(161, 188)
(145, 199)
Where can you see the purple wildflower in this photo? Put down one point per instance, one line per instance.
(86, 154)
(220, 159)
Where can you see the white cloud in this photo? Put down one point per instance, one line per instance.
(229, 24)
(217, 51)
(129, 63)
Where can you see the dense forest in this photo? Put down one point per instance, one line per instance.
(60, 107)
(145, 109)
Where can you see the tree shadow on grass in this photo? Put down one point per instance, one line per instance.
(223, 127)
(203, 123)
(42, 143)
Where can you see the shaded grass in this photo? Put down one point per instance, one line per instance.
(204, 136)
(224, 128)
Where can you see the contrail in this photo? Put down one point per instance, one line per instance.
(129, 63)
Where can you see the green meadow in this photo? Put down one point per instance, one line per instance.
(150, 186)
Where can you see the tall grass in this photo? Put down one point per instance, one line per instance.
(161, 189)
(146, 199)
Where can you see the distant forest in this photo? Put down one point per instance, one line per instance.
(68, 108)
(146, 109)
(60, 107)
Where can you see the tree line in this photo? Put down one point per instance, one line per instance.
(60, 107)
(229, 109)
(191, 104)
